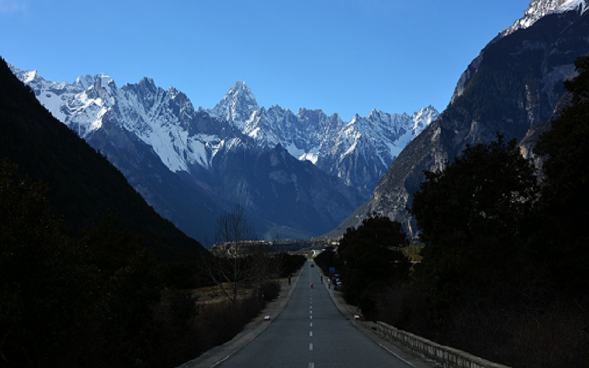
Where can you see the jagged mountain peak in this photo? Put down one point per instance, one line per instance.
(374, 113)
(277, 107)
(540, 8)
(239, 88)
(428, 112)
(423, 118)
(380, 115)
(304, 110)
(84, 82)
(31, 76)
(237, 105)
(26, 76)
(240, 93)
(146, 82)
(103, 80)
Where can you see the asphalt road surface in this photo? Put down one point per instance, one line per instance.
(312, 333)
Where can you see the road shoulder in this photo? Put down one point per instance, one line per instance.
(219, 354)
(369, 329)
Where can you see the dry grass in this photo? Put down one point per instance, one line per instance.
(214, 294)
(218, 319)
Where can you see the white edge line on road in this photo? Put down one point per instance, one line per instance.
(395, 354)
(379, 344)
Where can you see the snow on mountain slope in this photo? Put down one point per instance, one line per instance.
(540, 8)
(52, 95)
(358, 151)
(335, 146)
(309, 132)
(159, 118)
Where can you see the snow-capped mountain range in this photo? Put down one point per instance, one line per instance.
(159, 118)
(203, 150)
(327, 141)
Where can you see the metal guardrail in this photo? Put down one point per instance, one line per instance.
(448, 357)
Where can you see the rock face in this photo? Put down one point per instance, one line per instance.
(537, 10)
(514, 85)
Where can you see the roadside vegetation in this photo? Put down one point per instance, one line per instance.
(504, 270)
(100, 299)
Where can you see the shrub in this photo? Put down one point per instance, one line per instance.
(269, 290)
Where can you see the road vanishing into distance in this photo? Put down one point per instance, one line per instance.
(312, 333)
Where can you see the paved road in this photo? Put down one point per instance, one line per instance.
(312, 333)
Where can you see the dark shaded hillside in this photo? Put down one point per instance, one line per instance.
(179, 197)
(271, 180)
(83, 186)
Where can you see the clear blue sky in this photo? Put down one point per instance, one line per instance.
(345, 56)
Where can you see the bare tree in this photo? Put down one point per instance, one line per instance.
(231, 265)
(233, 227)
(278, 258)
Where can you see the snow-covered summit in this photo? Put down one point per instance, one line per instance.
(237, 105)
(540, 8)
